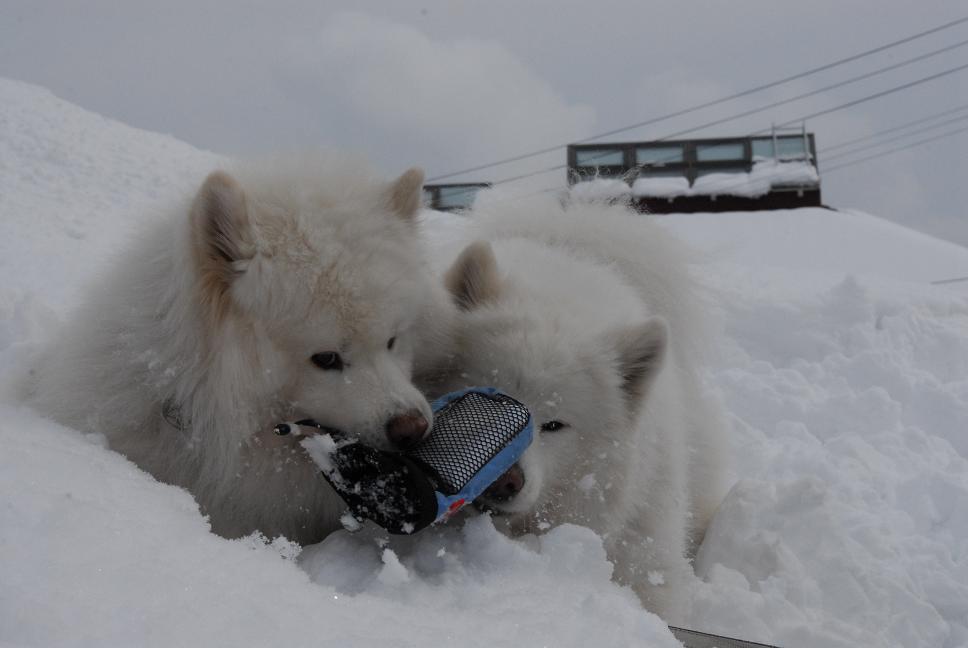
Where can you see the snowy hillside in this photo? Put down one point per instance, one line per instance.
(845, 375)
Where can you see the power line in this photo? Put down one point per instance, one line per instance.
(726, 184)
(803, 118)
(894, 150)
(896, 128)
(918, 131)
(811, 93)
(941, 282)
(708, 104)
(877, 95)
(827, 111)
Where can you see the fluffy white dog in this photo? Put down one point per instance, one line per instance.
(287, 290)
(587, 314)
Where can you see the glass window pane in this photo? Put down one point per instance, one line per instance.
(428, 197)
(658, 155)
(763, 148)
(791, 147)
(457, 197)
(599, 157)
(713, 152)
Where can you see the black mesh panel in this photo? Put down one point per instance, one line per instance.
(468, 432)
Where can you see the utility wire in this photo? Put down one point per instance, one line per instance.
(877, 95)
(811, 93)
(894, 150)
(896, 128)
(941, 282)
(852, 151)
(827, 111)
(726, 185)
(708, 104)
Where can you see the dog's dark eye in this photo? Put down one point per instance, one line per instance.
(553, 426)
(330, 361)
(391, 342)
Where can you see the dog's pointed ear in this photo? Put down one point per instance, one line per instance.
(640, 351)
(221, 235)
(405, 194)
(473, 279)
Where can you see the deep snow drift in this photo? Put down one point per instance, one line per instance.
(842, 369)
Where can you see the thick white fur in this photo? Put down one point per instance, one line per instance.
(588, 315)
(322, 257)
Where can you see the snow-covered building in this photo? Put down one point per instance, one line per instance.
(773, 171)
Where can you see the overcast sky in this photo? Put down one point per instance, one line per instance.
(451, 84)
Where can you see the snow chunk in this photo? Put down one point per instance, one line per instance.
(600, 189)
(393, 572)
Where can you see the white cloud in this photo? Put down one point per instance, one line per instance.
(457, 101)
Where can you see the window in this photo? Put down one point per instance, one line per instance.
(789, 148)
(763, 148)
(428, 197)
(717, 152)
(459, 197)
(599, 157)
(658, 155)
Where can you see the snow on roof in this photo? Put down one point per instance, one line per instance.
(600, 189)
(765, 176)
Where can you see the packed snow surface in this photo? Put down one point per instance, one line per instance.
(844, 373)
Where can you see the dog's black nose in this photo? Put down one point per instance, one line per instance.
(406, 430)
(507, 485)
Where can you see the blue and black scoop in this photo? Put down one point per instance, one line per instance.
(478, 434)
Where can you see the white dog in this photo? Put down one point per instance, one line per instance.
(283, 291)
(588, 316)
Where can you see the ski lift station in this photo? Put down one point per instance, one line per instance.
(773, 171)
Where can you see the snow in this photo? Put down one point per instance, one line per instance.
(764, 176)
(600, 189)
(662, 187)
(815, 242)
(64, 173)
(843, 371)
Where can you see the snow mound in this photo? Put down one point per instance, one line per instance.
(848, 407)
(75, 185)
(813, 241)
(96, 553)
(844, 374)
